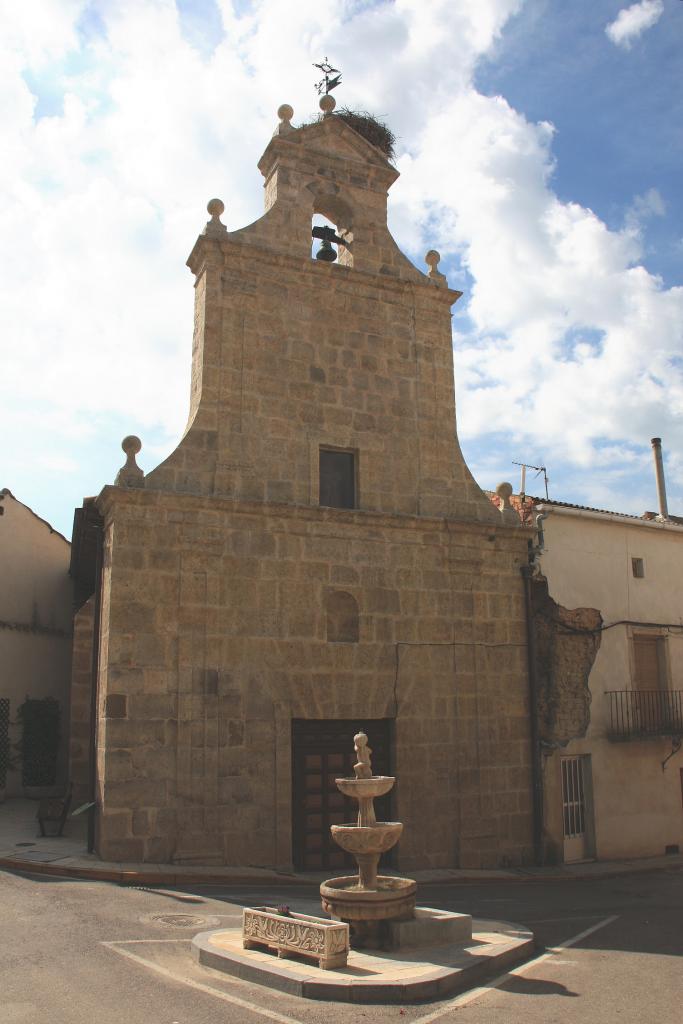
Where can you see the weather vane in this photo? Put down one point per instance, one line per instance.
(327, 84)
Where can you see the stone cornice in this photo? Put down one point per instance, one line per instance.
(206, 249)
(111, 496)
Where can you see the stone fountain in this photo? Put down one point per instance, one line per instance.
(368, 901)
(434, 952)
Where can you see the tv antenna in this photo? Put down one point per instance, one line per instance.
(539, 470)
(327, 84)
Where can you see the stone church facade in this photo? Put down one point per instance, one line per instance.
(314, 557)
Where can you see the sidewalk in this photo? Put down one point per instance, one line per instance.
(23, 849)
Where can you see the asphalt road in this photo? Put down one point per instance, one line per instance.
(74, 952)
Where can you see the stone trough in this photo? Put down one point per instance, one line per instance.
(325, 941)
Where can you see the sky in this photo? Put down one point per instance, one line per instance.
(540, 148)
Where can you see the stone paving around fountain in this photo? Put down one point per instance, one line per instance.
(373, 976)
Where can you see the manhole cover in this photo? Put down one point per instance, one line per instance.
(182, 920)
(24, 844)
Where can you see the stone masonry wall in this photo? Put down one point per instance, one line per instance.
(216, 638)
(290, 354)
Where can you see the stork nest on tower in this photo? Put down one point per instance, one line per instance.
(370, 127)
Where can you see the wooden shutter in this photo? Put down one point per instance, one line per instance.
(646, 659)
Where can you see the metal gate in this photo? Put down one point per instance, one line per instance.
(576, 810)
(322, 751)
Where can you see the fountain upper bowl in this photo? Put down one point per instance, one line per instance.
(377, 785)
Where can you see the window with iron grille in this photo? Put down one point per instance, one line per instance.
(573, 798)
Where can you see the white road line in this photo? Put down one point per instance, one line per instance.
(577, 938)
(559, 920)
(235, 1000)
(476, 993)
(131, 942)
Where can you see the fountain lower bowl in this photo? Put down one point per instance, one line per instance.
(392, 900)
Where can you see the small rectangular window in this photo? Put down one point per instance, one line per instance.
(337, 478)
(638, 568)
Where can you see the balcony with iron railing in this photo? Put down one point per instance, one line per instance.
(638, 714)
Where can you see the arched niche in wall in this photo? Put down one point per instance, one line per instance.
(342, 617)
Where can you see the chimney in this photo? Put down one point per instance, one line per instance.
(656, 443)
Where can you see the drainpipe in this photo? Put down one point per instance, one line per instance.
(656, 443)
(94, 685)
(537, 549)
(540, 533)
(536, 767)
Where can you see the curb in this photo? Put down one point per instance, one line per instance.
(123, 876)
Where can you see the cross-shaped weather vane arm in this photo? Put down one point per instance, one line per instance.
(328, 83)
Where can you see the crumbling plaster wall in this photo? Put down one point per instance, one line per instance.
(567, 642)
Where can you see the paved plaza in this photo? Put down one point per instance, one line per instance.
(75, 951)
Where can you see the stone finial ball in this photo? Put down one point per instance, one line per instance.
(432, 258)
(285, 112)
(215, 207)
(131, 444)
(504, 490)
(327, 104)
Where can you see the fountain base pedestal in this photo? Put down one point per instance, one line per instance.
(368, 911)
(429, 927)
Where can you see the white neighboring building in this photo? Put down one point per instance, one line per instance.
(36, 614)
(617, 791)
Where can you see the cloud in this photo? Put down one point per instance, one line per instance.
(565, 343)
(643, 208)
(40, 32)
(569, 341)
(104, 197)
(632, 21)
(650, 204)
